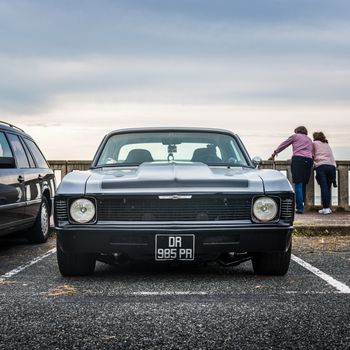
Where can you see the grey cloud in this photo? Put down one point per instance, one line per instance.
(66, 28)
(40, 82)
(195, 52)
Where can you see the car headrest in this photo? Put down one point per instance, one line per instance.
(138, 156)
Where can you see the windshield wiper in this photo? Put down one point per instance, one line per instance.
(228, 165)
(112, 165)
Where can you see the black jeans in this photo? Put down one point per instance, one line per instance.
(301, 170)
(325, 176)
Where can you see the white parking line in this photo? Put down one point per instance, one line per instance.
(341, 287)
(32, 262)
(168, 293)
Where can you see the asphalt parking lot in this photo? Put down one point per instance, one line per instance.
(148, 306)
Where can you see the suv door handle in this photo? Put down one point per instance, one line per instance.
(20, 178)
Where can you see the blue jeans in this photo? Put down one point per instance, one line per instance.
(299, 189)
(325, 175)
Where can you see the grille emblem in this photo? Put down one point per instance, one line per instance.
(176, 196)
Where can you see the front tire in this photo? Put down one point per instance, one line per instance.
(75, 264)
(275, 264)
(39, 233)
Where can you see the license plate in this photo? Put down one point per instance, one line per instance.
(174, 247)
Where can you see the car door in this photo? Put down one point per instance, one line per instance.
(12, 189)
(38, 177)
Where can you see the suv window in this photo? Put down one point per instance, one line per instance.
(5, 150)
(29, 155)
(18, 150)
(40, 160)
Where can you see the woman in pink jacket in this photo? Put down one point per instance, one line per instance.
(301, 163)
(325, 169)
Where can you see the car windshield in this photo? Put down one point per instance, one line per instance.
(140, 147)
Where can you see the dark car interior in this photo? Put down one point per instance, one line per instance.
(205, 155)
(138, 156)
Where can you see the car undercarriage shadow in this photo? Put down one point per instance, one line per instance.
(150, 269)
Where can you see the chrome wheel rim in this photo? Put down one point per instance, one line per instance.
(44, 220)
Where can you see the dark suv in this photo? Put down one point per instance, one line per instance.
(27, 185)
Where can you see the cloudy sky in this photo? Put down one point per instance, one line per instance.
(71, 71)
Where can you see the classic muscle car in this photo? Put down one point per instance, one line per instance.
(174, 194)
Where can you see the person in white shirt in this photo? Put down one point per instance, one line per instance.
(325, 169)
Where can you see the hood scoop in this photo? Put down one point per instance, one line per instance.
(151, 175)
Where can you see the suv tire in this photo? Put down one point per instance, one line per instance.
(40, 231)
(275, 264)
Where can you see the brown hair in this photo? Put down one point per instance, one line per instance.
(319, 136)
(301, 130)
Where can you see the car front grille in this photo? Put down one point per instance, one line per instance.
(197, 208)
(287, 209)
(61, 213)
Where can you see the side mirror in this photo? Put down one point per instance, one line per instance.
(7, 162)
(257, 161)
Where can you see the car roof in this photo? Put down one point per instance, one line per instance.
(4, 126)
(170, 129)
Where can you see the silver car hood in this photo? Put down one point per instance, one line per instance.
(173, 178)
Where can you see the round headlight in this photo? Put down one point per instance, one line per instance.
(82, 210)
(265, 209)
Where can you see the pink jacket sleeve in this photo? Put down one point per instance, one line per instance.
(284, 144)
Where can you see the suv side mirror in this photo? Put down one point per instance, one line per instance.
(257, 161)
(7, 162)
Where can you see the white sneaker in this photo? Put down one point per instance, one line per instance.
(327, 211)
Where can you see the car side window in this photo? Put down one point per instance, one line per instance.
(29, 155)
(5, 150)
(39, 158)
(18, 150)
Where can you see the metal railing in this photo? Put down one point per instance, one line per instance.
(340, 194)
